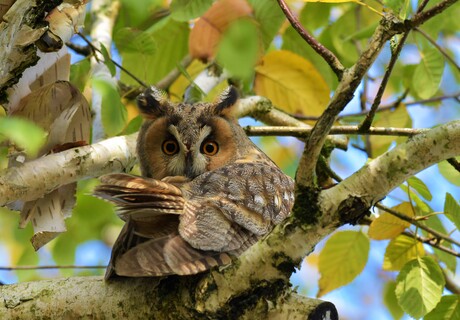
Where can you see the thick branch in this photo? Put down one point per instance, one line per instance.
(377, 178)
(145, 298)
(38, 177)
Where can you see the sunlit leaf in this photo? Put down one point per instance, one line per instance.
(239, 48)
(184, 10)
(154, 62)
(343, 258)
(390, 300)
(447, 309)
(419, 286)
(420, 187)
(113, 111)
(428, 73)
(387, 226)
(80, 73)
(400, 251)
(342, 1)
(421, 206)
(452, 210)
(24, 133)
(291, 83)
(269, 16)
(398, 118)
(108, 61)
(449, 172)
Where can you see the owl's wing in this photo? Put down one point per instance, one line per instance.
(165, 256)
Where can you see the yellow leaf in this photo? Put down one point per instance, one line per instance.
(401, 250)
(343, 1)
(387, 226)
(292, 83)
(390, 118)
(342, 259)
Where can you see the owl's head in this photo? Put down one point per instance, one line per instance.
(180, 139)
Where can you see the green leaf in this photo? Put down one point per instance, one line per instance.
(401, 250)
(447, 309)
(22, 132)
(152, 67)
(390, 300)
(420, 187)
(449, 172)
(452, 210)
(428, 73)
(239, 48)
(419, 286)
(270, 17)
(449, 260)
(114, 113)
(343, 257)
(422, 207)
(134, 41)
(184, 10)
(137, 13)
(133, 125)
(108, 60)
(80, 73)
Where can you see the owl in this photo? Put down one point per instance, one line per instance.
(206, 194)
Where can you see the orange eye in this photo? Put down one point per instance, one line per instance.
(209, 148)
(170, 147)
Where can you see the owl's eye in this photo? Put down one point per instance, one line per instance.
(170, 147)
(209, 148)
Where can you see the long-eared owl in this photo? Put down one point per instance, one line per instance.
(206, 194)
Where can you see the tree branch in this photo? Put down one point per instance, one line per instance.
(302, 132)
(325, 53)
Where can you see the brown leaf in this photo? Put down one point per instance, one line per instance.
(206, 33)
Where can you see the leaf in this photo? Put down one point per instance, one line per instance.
(422, 207)
(452, 210)
(269, 16)
(449, 172)
(239, 48)
(184, 10)
(434, 222)
(108, 61)
(130, 40)
(390, 118)
(343, 257)
(291, 83)
(24, 133)
(428, 73)
(343, 1)
(420, 187)
(447, 309)
(113, 111)
(400, 251)
(387, 226)
(419, 286)
(207, 31)
(80, 73)
(155, 61)
(390, 300)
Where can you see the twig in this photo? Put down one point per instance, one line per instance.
(325, 53)
(174, 74)
(393, 105)
(437, 46)
(451, 284)
(82, 50)
(366, 124)
(49, 267)
(422, 17)
(417, 224)
(94, 49)
(454, 163)
(432, 242)
(303, 132)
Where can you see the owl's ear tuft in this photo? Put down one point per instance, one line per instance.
(226, 100)
(152, 103)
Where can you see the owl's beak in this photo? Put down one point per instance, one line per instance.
(189, 170)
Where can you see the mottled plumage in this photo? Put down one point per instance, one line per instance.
(206, 194)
